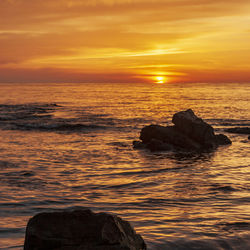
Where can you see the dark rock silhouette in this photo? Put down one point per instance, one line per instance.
(138, 145)
(188, 133)
(167, 135)
(194, 127)
(80, 229)
(239, 130)
(157, 145)
(222, 139)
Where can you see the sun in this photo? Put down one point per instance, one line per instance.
(160, 79)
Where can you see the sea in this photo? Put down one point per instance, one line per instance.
(67, 146)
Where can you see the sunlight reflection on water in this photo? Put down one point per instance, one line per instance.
(52, 162)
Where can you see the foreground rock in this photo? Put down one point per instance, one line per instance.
(82, 230)
(239, 130)
(188, 133)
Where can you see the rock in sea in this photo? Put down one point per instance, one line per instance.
(189, 133)
(239, 130)
(80, 230)
(194, 127)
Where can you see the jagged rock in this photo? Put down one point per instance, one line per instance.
(222, 139)
(189, 133)
(195, 128)
(80, 230)
(238, 130)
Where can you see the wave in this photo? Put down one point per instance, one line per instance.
(64, 126)
(54, 117)
(44, 117)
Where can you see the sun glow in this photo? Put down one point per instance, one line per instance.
(160, 79)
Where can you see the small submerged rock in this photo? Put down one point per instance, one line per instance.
(82, 230)
(239, 130)
(189, 133)
(225, 188)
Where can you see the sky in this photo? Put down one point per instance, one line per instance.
(157, 41)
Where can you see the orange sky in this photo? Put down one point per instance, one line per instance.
(124, 40)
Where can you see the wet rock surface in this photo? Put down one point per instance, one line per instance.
(189, 133)
(82, 230)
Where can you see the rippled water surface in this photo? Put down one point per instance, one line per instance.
(70, 145)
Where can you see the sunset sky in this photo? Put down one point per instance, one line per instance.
(124, 41)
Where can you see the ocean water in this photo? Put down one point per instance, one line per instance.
(70, 145)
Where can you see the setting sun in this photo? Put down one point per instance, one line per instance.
(160, 79)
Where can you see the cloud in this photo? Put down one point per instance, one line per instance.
(54, 75)
(26, 12)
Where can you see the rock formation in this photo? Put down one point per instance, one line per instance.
(80, 230)
(189, 133)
